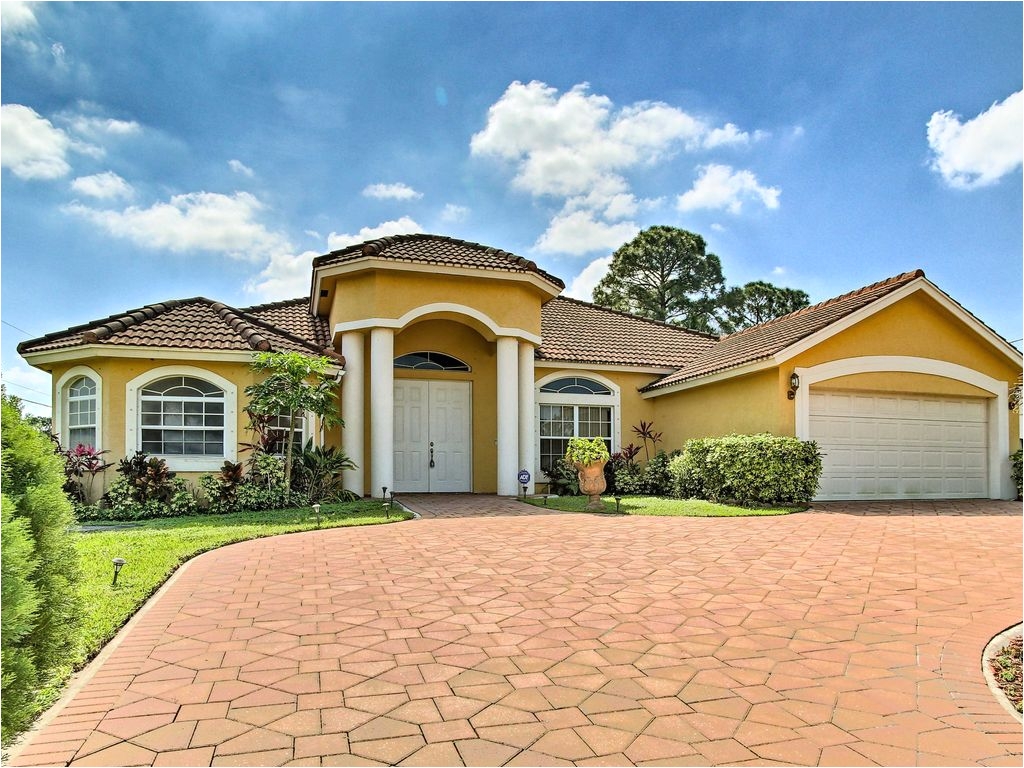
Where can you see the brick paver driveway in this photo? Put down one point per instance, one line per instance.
(848, 635)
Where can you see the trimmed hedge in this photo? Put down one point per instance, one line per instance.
(41, 605)
(1017, 470)
(747, 469)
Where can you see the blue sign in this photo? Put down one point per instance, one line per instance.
(524, 477)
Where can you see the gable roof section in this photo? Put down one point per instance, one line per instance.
(783, 335)
(194, 324)
(294, 317)
(578, 332)
(437, 250)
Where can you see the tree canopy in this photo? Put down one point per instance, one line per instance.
(758, 302)
(665, 273)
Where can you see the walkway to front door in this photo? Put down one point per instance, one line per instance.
(433, 506)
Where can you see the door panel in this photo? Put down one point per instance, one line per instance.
(433, 415)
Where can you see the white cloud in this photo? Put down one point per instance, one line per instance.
(729, 135)
(285, 277)
(105, 186)
(16, 17)
(397, 191)
(402, 226)
(778, 271)
(454, 213)
(721, 187)
(241, 168)
(582, 286)
(93, 127)
(32, 147)
(982, 150)
(578, 232)
(197, 221)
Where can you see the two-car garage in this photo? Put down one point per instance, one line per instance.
(884, 445)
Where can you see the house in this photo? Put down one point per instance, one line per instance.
(460, 364)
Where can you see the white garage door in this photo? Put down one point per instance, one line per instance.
(888, 446)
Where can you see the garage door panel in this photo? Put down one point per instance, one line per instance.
(879, 445)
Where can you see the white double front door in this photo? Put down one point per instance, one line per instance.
(433, 451)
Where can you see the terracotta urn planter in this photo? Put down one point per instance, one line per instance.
(592, 482)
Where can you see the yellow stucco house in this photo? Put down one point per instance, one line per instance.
(458, 365)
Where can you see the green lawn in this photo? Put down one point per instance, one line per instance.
(662, 507)
(155, 548)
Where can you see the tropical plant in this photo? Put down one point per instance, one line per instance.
(222, 489)
(319, 476)
(582, 451)
(563, 478)
(293, 384)
(80, 462)
(645, 431)
(1017, 470)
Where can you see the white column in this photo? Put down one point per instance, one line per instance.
(508, 415)
(352, 410)
(382, 409)
(526, 437)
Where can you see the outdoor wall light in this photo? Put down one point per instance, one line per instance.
(316, 511)
(794, 385)
(118, 565)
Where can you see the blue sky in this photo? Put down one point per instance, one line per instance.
(154, 151)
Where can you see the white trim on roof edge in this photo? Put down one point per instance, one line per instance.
(798, 347)
(1000, 485)
(92, 351)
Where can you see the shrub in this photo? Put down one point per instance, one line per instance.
(80, 462)
(748, 469)
(121, 502)
(33, 479)
(564, 479)
(222, 489)
(1017, 470)
(317, 474)
(20, 601)
(656, 479)
(629, 480)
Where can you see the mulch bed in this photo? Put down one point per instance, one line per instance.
(1009, 671)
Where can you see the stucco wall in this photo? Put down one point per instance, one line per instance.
(391, 294)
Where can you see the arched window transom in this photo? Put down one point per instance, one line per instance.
(572, 385)
(574, 406)
(430, 361)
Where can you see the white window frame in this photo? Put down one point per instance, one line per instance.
(60, 410)
(614, 400)
(309, 430)
(177, 463)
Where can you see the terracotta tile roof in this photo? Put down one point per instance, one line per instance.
(197, 324)
(578, 332)
(436, 249)
(294, 317)
(762, 341)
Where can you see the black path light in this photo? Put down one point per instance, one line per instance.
(618, 502)
(118, 565)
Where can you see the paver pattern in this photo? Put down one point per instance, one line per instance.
(848, 635)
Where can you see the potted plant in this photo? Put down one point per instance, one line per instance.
(589, 458)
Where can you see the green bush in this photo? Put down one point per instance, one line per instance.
(563, 478)
(629, 480)
(747, 469)
(1016, 469)
(33, 498)
(656, 479)
(583, 451)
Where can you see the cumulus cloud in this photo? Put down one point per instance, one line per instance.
(729, 135)
(582, 286)
(285, 277)
(982, 150)
(720, 187)
(32, 147)
(241, 168)
(398, 191)
(454, 213)
(402, 226)
(94, 127)
(579, 232)
(196, 221)
(105, 186)
(16, 17)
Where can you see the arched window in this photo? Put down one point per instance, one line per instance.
(182, 416)
(574, 406)
(81, 413)
(430, 361)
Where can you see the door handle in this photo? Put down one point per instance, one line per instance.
(431, 455)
